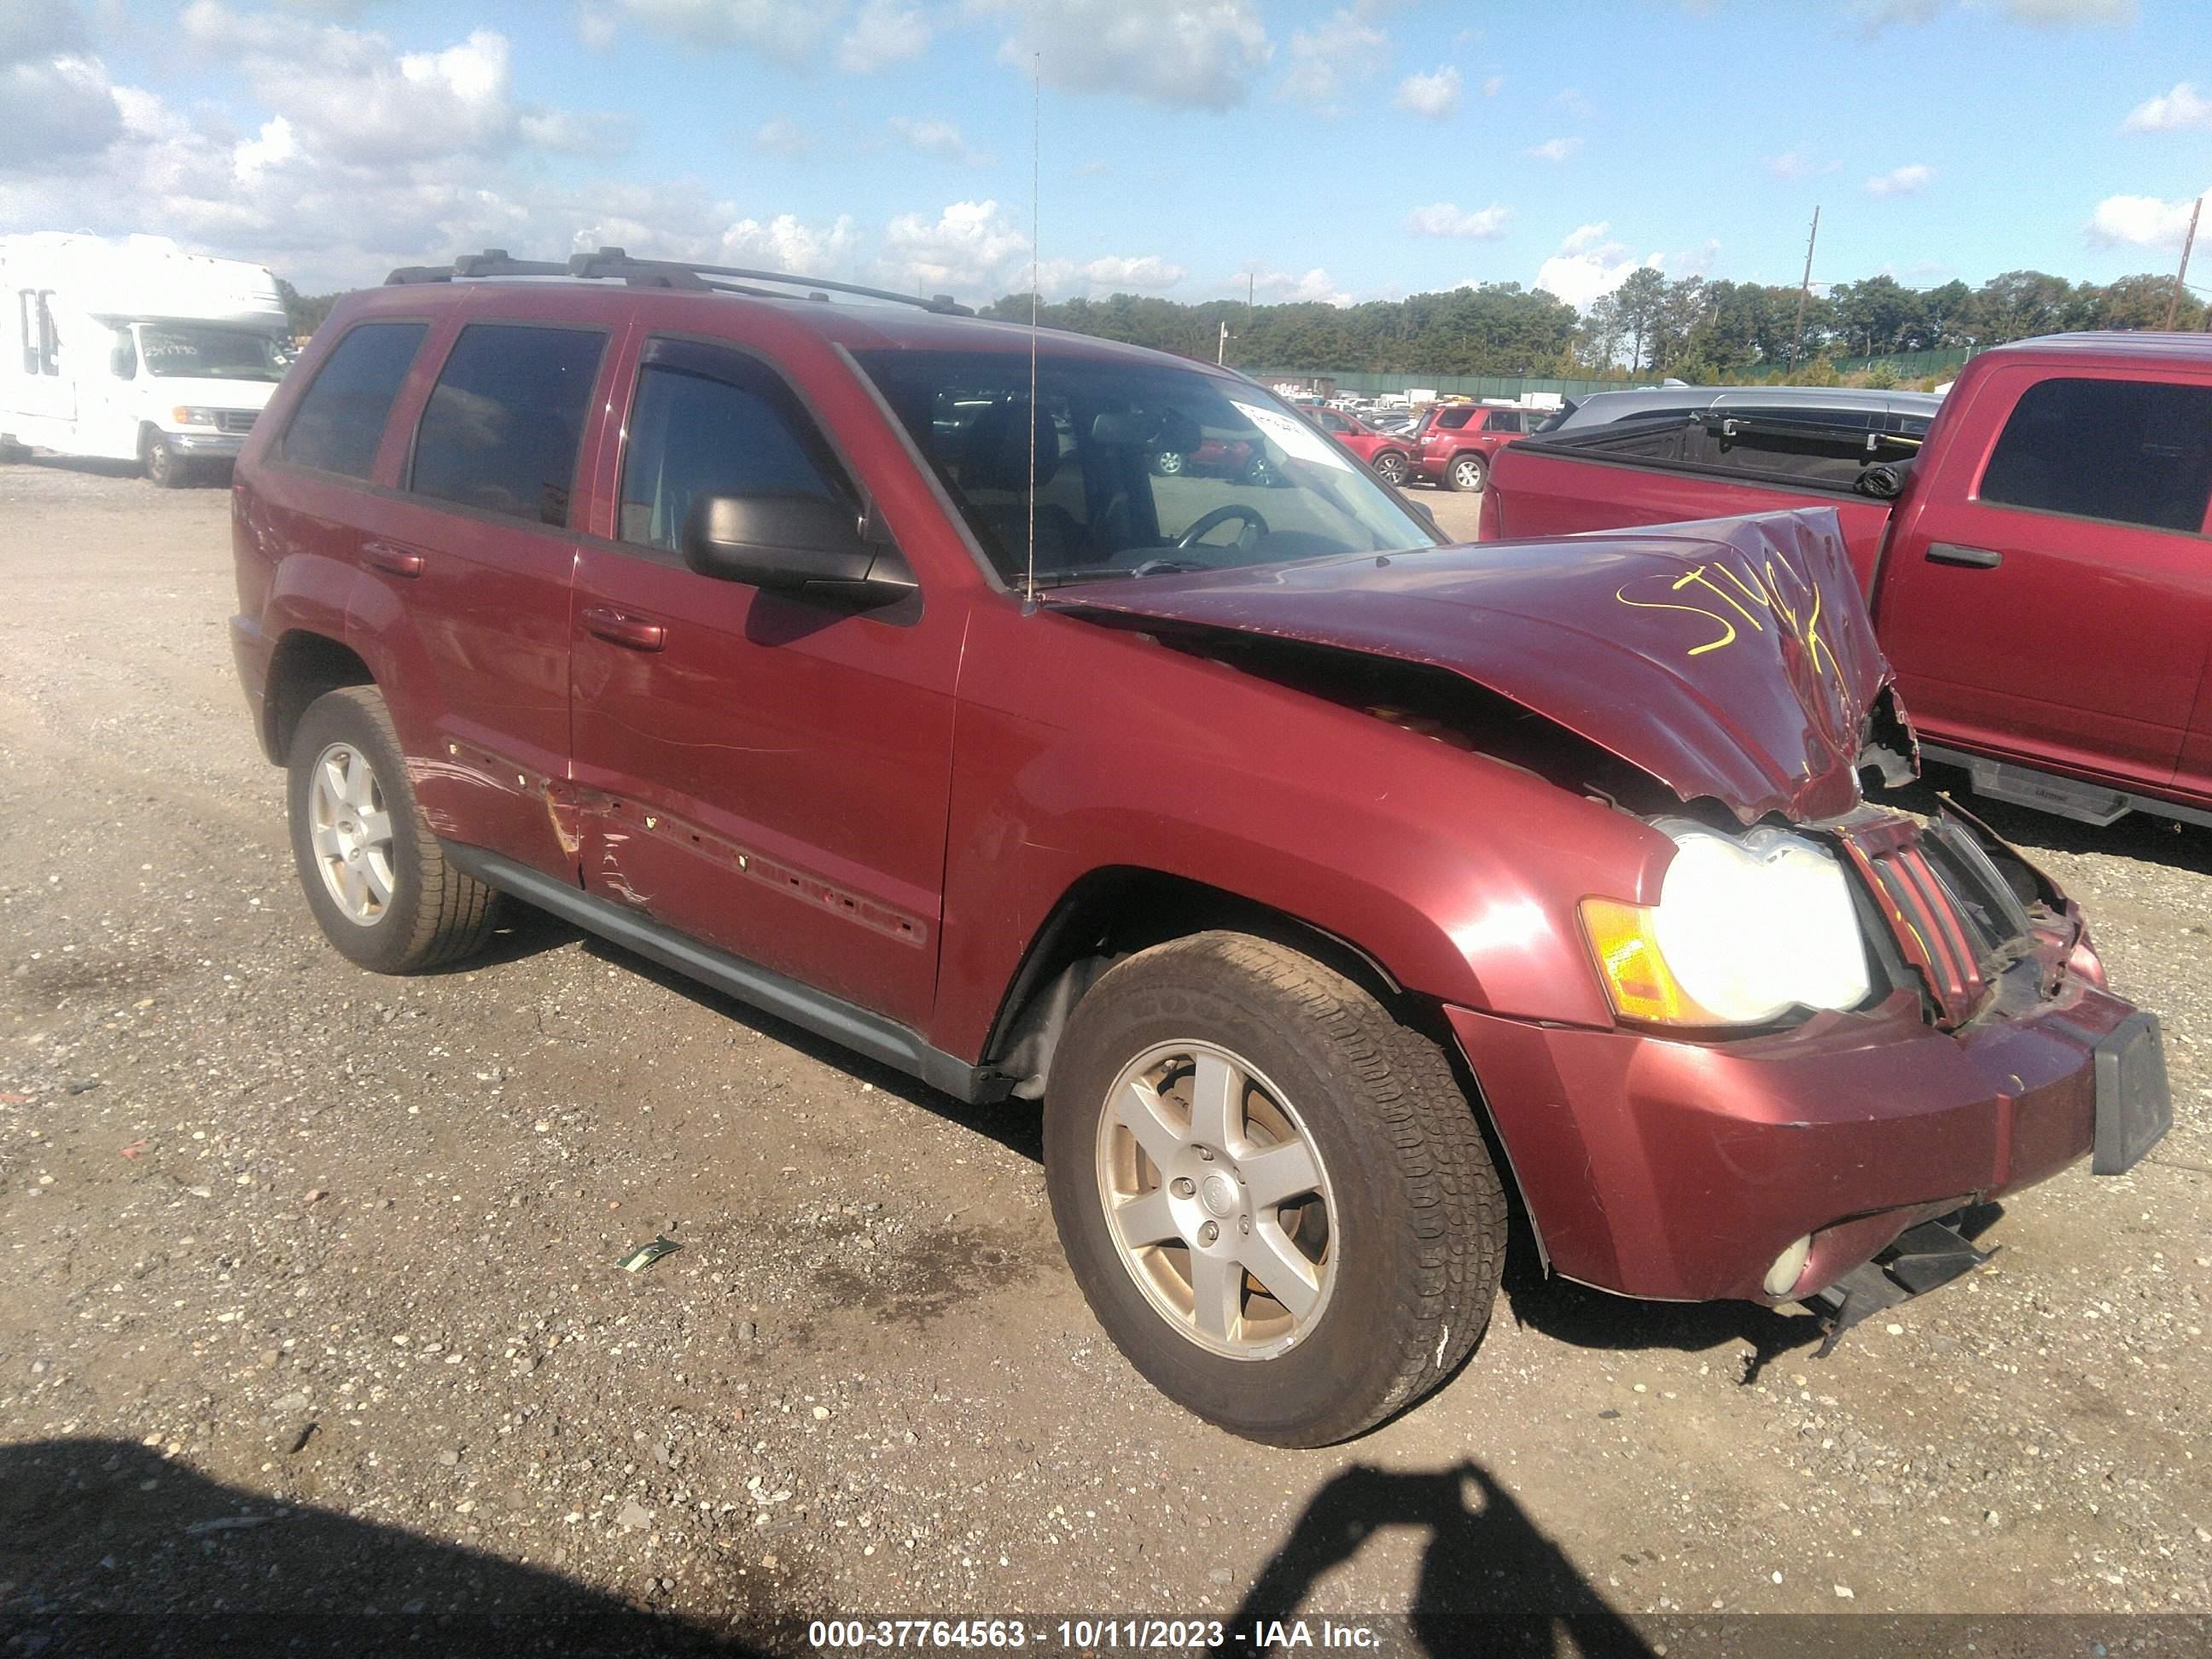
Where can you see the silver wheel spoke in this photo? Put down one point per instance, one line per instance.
(358, 781)
(1216, 1103)
(352, 891)
(1217, 1288)
(1147, 1220)
(1138, 1107)
(330, 784)
(375, 828)
(1280, 1173)
(378, 874)
(1283, 1272)
(326, 839)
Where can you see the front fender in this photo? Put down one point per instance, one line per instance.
(1458, 875)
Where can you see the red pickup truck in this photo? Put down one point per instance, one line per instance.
(2036, 565)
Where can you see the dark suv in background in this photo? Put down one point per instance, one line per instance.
(862, 660)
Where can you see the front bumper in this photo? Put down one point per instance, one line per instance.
(1681, 1170)
(207, 446)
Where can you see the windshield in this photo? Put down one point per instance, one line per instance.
(1141, 468)
(204, 351)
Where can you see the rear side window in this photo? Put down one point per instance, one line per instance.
(2134, 451)
(1502, 419)
(1450, 419)
(709, 423)
(340, 419)
(502, 427)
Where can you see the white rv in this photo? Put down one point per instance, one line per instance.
(132, 351)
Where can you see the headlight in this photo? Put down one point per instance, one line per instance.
(183, 417)
(1746, 927)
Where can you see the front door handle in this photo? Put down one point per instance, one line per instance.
(394, 559)
(619, 628)
(1977, 558)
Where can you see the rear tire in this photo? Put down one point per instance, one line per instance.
(1466, 474)
(1399, 1230)
(373, 870)
(1168, 463)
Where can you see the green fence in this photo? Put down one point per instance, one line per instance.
(1908, 365)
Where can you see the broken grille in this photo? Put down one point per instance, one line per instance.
(1955, 919)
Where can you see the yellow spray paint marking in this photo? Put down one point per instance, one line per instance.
(1767, 590)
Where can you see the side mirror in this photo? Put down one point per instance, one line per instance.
(797, 545)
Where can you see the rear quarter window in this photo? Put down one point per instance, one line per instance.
(2131, 452)
(503, 425)
(340, 419)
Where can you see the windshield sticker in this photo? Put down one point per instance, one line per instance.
(1293, 437)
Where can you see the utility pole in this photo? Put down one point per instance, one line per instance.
(1804, 288)
(1221, 349)
(2181, 276)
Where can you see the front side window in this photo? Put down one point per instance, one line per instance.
(503, 425)
(712, 422)
(26, 314)
(340, 419)
(201, 352)
(2134, 451)
(1131, 468)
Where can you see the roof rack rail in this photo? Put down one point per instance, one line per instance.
(614, 263)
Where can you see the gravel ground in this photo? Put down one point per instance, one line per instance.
(311, 1303)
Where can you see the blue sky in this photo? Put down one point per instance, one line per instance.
(1339, 151)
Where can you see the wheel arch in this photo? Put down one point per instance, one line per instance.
(1118, 911)
(303, 667)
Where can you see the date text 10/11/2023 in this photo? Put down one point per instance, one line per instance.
(1097, 1635)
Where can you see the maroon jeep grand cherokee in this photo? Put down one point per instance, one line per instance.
(1315, 875)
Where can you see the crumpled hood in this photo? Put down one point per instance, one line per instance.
(1732, 658)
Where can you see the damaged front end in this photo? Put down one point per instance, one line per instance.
(1850, 1021)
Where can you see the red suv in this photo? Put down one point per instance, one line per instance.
(1391, 458)
(1453, 442)
(856, 660)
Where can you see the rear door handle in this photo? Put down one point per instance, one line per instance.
(619, 628)
(397, 560)
(1978, 558)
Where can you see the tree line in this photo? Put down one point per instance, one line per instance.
(1698, 330)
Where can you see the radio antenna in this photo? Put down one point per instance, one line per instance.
(1037, 129)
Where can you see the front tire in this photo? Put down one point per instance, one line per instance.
(1275, 1197)
(1168, 463)
(1390, 466)
(373, 870)
(165, 468)
(1466, 474)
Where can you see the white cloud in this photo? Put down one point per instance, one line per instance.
(1570, 100)
(1792, 164)
(781, 135)
(1113, 274)
(2141, 221)
(1589, 266)
(1493, 86)
(2172, 112)
(1282, 287)
(2068, 14)
(61, 109)
(1875, 16)
(785, 30)
(577, 132)
(1343, 49)
(1196, 54)
(939, 138)
(1553, 149)
(1435, 94)
(971, 247)
(1442, 219)
(352, 100)
(1908, 180)
(883, 32)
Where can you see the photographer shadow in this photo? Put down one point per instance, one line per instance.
(1491, 1580)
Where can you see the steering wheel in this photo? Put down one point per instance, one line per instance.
(1254, 526)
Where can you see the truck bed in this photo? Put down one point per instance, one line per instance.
(1704, 467)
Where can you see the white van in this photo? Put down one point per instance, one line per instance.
(133, 350)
